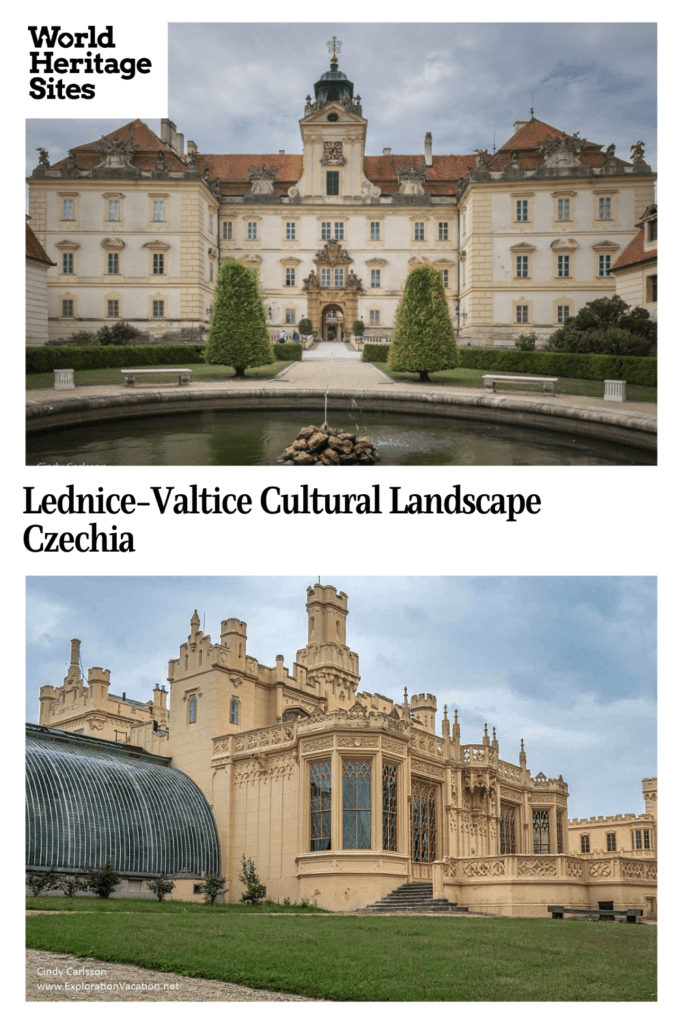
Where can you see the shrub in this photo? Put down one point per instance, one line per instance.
(83, 338)
(102, 881)
(635, 370)
(211, 887)
(71, 885)
(161, 886)
(424, 339)
(526, 342)
(305, 326)
(118, 334)
(607, 326)
(42, 881)
(288, 350)
(255, 890)
(375, 353)
(358, 328)
(238, 335)
(43, 359)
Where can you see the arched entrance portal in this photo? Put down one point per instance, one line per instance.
(332, 327)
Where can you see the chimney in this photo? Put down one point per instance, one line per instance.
(428, 149)
(386, 151)
(191, 146)
(517, 125)
(179, 143)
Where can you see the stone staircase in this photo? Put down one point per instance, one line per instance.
(412, 896)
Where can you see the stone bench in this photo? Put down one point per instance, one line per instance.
(631, 915)
(130, 375)
(491, 379)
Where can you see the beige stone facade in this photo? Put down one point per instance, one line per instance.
(523, 237)
(341, 795)
(635, 271)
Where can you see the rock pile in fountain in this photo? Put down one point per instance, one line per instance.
(323, 446)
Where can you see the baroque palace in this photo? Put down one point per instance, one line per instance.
(339, 795)
(137, 225)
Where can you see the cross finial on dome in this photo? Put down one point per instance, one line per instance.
(334, 45)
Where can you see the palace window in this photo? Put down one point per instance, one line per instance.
(227, 230)
(419, 231)
(541, 830)
(611, 842)
(251, 230)
(112, 263)
(443, 230)
(522, 314)
(356, 787)
(374, 318)
(375, 279)
(68, 209)
(423, 799)
(651, 231)
(192, 710)
(326, 230)
(374, 231)
(651, 288)
(389, 806)
(290, 316)
(158, 263)
(338, 277)
(605, 264)
(325, 277)
(67, 263)
(234, 711)
(562, 314)
(641, 839)
(290, 230)
(522, 266)
(339, 230)
(158, 307)
(290, 277)
(67, 307)
(112, 307)
(563, 209)
(332, 183)
(321, 805)
(159, 210)
(604, 208)
(585, 844)
(508, 839)
(563, 266)
(444, 278)
(522, 209)
(113, 209)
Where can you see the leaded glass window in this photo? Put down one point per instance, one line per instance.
(389, 806)
(321, 805)
(541, 827)
(357, 782)
(424, 822)
(508, 838)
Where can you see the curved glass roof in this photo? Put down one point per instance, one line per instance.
(87, 805)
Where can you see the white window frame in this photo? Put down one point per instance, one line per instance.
(68, 263)
(158, 210)
(522, 266)
(339, 230)
(419, 231)
(605, 264)
(562, 314)
(374, 231)
(443, 230)
(563, 265)
(111, 315)
(564, 209)
(326, 230)
(290, 230)
(290, 277)
(374, 318)
(158, 308)
(252, 230)
(338, 277)
(522, 313)
(113, 264)
(325, 277)
(375, 278)
(522, 211)
(604, 208)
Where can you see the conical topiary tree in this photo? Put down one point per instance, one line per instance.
(424, 339)
(238, 335)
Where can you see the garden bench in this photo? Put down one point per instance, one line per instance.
(604, 915)
(491, 379)
(130, 375)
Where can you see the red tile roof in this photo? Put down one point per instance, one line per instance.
(525, 142)
(142, 135)
(34, 250)
(635, 253)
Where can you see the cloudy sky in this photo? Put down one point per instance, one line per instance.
(240, 88)
(567, 663)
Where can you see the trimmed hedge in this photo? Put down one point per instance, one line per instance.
(634, 369)
(291, 351)
(374, 353)
(98, 357)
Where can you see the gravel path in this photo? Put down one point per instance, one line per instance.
(60, 977)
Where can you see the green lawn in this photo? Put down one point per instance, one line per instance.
(463, 377)
(366, 958)
(112, 375)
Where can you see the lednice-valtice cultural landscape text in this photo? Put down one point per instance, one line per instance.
(341, 796)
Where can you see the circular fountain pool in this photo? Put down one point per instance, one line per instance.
(258, 438)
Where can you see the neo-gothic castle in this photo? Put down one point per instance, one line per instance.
(137, 225)
(338, 795)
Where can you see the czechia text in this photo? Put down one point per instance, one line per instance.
(36, 539)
